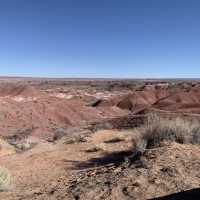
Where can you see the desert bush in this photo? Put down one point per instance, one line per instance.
(5, 179)
(158, 129)
(59, 133)
(196, 136)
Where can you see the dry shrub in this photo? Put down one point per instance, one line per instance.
(158, 129)
(5, 179)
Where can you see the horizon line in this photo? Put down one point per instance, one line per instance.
(96, 78)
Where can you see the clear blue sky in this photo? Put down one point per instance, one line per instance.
(100, 38)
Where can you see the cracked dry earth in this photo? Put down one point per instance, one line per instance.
(64, 171)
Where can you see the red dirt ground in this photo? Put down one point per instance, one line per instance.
(62, 119)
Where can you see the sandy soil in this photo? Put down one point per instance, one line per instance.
(59, 141)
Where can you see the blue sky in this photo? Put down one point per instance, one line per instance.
(100, 38)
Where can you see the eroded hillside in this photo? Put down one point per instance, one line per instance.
(86, 139)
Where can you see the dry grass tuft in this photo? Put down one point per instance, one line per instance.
(5, 180)
(158, 129)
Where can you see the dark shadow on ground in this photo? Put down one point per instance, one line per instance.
(193, 194)
(116, 159)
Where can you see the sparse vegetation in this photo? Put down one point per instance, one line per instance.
(180, 130)
(5, 180)
(94, 145)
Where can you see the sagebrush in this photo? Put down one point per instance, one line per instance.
(158, 129)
